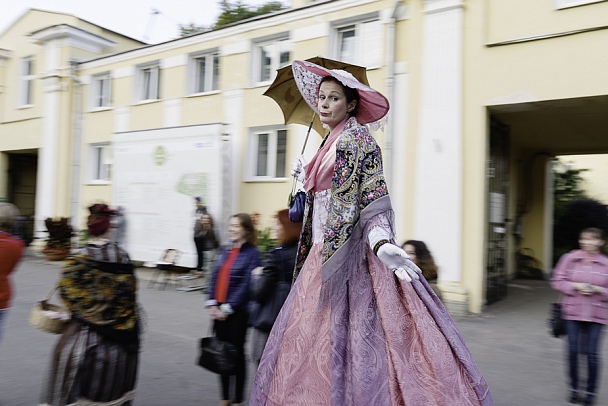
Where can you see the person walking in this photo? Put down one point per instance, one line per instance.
(581, 276)
(277, 268)
(96, 359)
(340, 337)
(229, 297)
(199, 211)
(11, 252)
(208, 244)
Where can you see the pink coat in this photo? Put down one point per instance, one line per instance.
(580, 267)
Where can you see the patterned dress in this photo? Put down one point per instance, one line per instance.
(357, 335)
(95, 360)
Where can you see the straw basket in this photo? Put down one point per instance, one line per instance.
(49, 317)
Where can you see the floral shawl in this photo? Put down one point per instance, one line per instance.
(102, 295)
(358, 193)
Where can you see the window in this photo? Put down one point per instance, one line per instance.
(148, 82)
(101, 90)
(27, 82)
(205, 72)
(268, 56)
(359, 42)
(268, 156)
(101, 163)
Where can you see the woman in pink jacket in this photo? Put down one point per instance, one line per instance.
(582, 278)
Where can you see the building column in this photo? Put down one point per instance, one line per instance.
(46, 185)
(439, 170)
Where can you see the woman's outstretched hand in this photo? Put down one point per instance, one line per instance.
(399, 262)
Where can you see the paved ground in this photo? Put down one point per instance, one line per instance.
(521, 362)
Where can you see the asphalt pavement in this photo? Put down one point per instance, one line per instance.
(522, 364)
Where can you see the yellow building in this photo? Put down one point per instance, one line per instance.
(479, 104)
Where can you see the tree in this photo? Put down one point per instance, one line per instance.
(232, 13)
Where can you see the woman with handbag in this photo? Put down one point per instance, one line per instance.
(581, 276)
(360, 325)
(271, 282)
(229, 297)
(96, 358)
(11, 251)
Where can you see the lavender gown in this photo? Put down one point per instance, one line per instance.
(378, 340)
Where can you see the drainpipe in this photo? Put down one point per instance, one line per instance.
(76, 145)
(390, 90)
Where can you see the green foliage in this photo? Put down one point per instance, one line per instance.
(265, 238)
(567, 186)
(190, 29)
(60, 234)
(234, 12)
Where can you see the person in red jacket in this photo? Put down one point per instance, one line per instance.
(582, 278)
(11, 251)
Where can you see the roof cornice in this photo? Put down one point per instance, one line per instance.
(75, 36)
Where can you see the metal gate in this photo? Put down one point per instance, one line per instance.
(498, 198)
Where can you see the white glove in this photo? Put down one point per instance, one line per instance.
(392, 256)
(297, 168)
(399, 262)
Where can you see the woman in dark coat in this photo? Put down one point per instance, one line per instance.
(96, 358)
(229, 297)
(277, 267)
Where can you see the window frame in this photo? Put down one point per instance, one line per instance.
(100, 154)
(212, 74)
(258, 45)
(101, 100)
(140, 89)
(362, 55)
(272, 154)
(26, 82)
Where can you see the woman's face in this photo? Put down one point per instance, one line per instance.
(589, 242)
(332, 105)
(206, 220)
(236, 230)
(279, 230)
(411, 251)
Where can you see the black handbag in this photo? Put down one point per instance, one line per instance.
(557, 325)
(218, 356)
(269, 310)
(296, 207)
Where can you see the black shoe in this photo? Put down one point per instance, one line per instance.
(589, 400)
(574, 398)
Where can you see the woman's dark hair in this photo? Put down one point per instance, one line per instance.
(350, 93)
(424, 259)
(247, 223)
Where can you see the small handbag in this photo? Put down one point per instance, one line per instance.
(269, 310)
(557, 325)
(218, 356)
(48, 317)
(296, 206)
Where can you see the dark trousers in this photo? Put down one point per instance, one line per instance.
(234, 330)
(198, 241)
(584, 337)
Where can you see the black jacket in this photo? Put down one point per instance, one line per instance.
(279, 263)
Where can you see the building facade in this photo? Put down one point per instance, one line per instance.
(479, 106)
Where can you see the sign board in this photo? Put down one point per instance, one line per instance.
(157, 175)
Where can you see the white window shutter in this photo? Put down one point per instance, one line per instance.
(371, 43)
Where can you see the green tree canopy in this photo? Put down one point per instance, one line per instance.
(233, 12)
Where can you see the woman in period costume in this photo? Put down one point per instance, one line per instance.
(354, 330)
(96, 359)
(229, 297)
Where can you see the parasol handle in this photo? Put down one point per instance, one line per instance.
(308, 133)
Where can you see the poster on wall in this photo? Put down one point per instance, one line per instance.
(158, 174)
